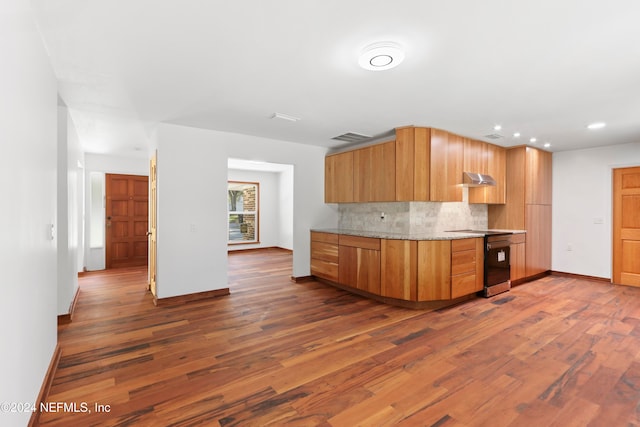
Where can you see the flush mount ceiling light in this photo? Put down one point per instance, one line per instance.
(381, 56)
(597, 125)
(285, 117)
(497, 127)
(533, 140)
(516, 135)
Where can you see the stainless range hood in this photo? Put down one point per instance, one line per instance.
(472, 179)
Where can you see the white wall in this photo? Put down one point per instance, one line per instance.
(582, 195)
(192, 211)
(69, 213)
(28, 149)
(286, 208)
(95, 257)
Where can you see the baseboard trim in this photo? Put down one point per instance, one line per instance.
(46, 386)
(64, 319)
(581, 277)
(268, 248)
(198, 296)
(302, 279)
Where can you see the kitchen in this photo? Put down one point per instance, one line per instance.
(425, 170)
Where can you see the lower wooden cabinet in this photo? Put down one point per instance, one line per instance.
(467, 267)
(398, 270)
(359, 263)
(434, 270)
(408, 270)
(518, 256)
(324, 255)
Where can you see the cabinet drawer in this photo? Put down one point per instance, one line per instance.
(324, 251)
(317, 236)
(463, 245)
(464, 284)
(463, 262)
(359, 242)
(325, 269)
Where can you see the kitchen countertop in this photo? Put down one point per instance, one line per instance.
(433, 235)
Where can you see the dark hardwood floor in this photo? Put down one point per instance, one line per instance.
(554, 352)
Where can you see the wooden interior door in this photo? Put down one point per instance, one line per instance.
(127, 220)
(152, 224)
(626, 226)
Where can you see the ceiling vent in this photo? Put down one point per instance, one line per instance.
(352, 137)
(494, 136)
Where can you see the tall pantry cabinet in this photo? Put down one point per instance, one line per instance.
(528, 206)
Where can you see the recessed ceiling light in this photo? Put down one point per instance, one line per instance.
(497, 127)
(516, 135)
(533, 140)
(547, 145)
(381, 56)
(597, 125)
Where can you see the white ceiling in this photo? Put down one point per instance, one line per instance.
(545, 68)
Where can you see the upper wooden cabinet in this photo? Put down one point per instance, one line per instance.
(538, 182)
(413, 164)
(374, 173)
(447, 155)
(422, 164)
(491, 160)
(338, 178)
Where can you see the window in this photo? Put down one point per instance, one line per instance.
(242, 204)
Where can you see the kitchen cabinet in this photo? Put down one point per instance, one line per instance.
(399, 273)
(413, 154)
(324, 255)
(528, 205)
(359, 263)
(517, 257)
(434, 270)
(492, 161)
(450, 269)
(421, 164)
(415, 271)
(338, 178)
(467, 267)
(374, 173)
(447, 156)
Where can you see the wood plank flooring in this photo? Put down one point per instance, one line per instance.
(554, 352)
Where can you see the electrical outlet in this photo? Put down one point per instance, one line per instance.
(569, 247)
(382, 215)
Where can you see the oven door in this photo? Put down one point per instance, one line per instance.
(496, 263)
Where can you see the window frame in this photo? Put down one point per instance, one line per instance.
(256, 212)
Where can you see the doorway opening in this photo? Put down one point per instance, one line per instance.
(275, 212)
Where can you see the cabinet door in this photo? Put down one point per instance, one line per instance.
(447, 151)
(412, 163)
(359, 268)
(538, 244)
(475, 156)
(517, 259)
(338, 178)
(398, 269)
(538, 177)
(375, 173)
(434, 270)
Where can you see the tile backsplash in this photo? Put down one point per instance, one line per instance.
(412, 217)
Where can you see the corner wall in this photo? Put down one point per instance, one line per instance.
(192, 190)
(582, 196)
